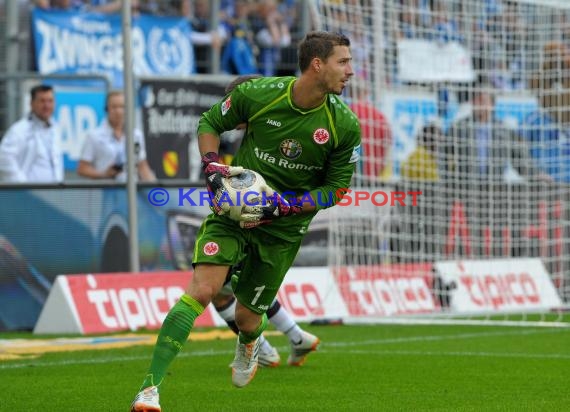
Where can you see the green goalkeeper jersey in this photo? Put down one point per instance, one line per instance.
(306, 152)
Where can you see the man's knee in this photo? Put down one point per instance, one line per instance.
(206, 282)
(222, 300)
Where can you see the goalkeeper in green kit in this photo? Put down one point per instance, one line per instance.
(305, 142)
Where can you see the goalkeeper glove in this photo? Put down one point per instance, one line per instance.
(277, 206)
(214, 173)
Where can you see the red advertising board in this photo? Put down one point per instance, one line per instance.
(101, 303)
(386, 290)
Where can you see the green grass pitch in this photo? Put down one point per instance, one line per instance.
(357, 368)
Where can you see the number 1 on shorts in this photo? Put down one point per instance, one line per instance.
(259, 290)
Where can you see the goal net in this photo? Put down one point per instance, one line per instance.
(459, 206)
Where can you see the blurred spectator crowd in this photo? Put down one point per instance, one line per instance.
(512, 48)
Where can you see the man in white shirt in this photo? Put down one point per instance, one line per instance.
(104, 152)
(30, 150)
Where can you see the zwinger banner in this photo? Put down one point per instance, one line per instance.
(67, 42)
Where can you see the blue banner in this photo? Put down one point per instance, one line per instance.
(77, 111)
(87, 43)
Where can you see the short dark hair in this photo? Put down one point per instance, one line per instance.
(319, 44)
(41, 88)
(239, 80)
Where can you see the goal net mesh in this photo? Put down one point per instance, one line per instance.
(462, 190)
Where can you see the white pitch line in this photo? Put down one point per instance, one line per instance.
(434, 338)
(110, 359)
(454, 353)
(325, 345)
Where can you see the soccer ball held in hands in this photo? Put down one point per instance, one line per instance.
(245, 189)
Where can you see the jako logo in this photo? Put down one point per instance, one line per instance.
(274, 123)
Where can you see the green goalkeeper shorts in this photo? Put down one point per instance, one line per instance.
(263, 259)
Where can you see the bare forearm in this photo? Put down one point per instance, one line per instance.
(208, 142)
(145, 172)
(86, 169)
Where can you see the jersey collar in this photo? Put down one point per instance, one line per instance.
(297, 108)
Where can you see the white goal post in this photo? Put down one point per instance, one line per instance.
(467, 102)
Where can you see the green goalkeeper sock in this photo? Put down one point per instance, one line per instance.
(250, 337)
(173, 334)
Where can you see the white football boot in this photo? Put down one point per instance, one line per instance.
(244, 365)
(146, 401)
(299, 351)
(269, 357)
